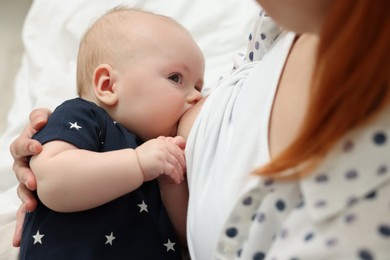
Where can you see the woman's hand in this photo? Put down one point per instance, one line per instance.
(21, 148)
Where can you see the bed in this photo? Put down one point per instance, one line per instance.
(46, 76)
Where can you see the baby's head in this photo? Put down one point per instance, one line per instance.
(144, 69)
(111, 39)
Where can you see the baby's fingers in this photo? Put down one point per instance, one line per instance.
(179, 160)
(177, 140)
(175, 171)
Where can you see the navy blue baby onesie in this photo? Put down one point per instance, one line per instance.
(134, 226)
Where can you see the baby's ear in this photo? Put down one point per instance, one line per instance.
(103, 80)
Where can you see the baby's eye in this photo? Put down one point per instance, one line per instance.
(176, 78)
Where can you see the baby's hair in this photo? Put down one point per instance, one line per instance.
(106, 41)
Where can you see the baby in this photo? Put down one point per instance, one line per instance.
(99, 197)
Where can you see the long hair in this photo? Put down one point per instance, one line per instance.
(350, 84)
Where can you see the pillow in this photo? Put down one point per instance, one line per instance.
(51, 35)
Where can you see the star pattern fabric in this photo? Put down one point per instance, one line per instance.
(341, 211)
(170, 245)
(38, 238)
(74, 125)
(110, 238)
(134, 226)
(143, 207)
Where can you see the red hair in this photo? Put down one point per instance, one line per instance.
(350, 85)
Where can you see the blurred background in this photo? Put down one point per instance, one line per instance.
(12, 14)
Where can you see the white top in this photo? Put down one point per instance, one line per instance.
(340, 212)
(220, 152)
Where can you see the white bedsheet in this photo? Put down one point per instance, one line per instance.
(46, 77)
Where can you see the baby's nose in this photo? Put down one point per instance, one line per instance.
(195, 96)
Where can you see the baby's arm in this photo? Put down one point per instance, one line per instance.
(71, 179)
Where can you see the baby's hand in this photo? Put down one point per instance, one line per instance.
(164, 155)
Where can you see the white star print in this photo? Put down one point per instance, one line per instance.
(38, 238)
(143, 207)
(110, 238)
(170, 245)
(74, 125)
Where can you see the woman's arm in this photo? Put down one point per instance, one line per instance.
(21, 148)
(175, 196)
(175, 200)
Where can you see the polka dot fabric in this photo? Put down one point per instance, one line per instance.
(264, 34)
(341, 211)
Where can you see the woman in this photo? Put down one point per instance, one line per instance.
(272, 112)
(325, 194)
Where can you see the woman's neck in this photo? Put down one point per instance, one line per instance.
(292, 95)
